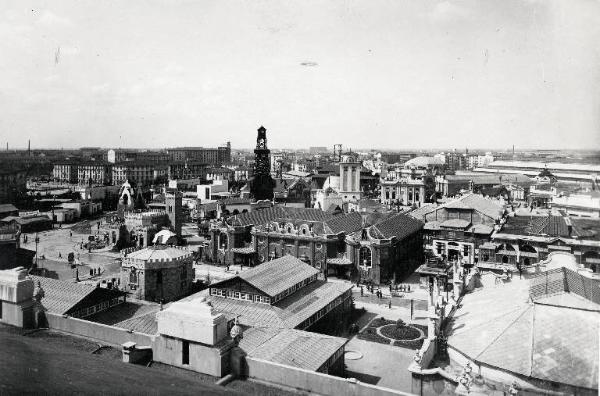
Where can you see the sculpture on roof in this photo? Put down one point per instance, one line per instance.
(236, 332)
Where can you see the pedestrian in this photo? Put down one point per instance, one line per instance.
(390, 288)
(70, 234)
(59, 255)
(390, 304)
(361, 291)
(408, 288)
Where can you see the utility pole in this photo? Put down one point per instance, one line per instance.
(37, 240)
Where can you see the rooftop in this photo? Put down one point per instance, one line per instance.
(287, 313)
(399, 226)
(552, 338)
(159, 253)
(60, 297)
(291, 347)
(275, 276)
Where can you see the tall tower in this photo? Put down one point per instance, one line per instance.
(262, 185)
(350, 179)
(173, 204)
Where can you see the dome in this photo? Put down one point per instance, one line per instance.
(423, 162)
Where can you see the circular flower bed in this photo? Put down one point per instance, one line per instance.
(407, 333)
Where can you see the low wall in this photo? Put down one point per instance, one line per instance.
(96, 331)
(312, 381)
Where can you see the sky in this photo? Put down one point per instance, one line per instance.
(389, 74)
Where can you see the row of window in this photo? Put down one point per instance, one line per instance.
(292, 289)
(104, 305)
(240, 295)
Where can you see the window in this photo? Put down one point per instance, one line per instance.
(466, 250)
(365, 257)
(133, 279)
(486, 257)
(185, 352)
(236, 294)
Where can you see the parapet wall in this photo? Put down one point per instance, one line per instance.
(97, 331)
(312, 381)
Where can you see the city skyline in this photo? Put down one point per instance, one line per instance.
(396, 74)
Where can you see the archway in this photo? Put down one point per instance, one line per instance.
(365, 257)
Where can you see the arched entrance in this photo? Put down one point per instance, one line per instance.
(453, 251)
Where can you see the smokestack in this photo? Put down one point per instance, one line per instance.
(29, 147)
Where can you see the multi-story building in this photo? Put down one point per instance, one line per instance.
(65, 172)
(211, 156)
(187, 170)
(140, 173)
(375, 247)
(456, 230)
(94, 173)
(13, 182)
(526, 240)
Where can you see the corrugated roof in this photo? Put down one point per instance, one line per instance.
(275, 276)
(61, 296)
(146, 324)
(288, 313)
(294, 348)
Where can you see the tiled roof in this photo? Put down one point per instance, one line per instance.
(399, 226)
(478, 203)
(537, 225)
(347, 223)
(146, 324)
(275, 276)
(288, 313)
(295, 348)
(60, 296)
(263, 216)
(554, 339)
(235, 201)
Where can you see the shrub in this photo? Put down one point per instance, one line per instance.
(401, 333)
(374, 337)
(400, 323)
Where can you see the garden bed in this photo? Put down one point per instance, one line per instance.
(403, 333)
(370, 334)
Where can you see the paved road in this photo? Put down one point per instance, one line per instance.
(39, 365)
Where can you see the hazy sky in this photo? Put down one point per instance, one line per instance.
(369, 73)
